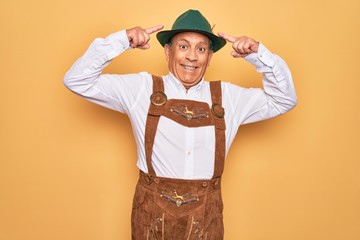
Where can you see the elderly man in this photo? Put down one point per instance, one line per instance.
(182, 124)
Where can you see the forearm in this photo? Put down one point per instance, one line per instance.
(85, 72)
(278, 95)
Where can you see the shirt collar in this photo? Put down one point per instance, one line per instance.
(178, 85)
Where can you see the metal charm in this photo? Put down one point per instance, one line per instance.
(190, 114)
(180, 200)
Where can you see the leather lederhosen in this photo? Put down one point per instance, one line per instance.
(178, 209)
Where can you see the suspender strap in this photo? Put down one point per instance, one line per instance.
(151, 125)
(218, 111)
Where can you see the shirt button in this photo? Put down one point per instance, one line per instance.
(204, 184)
(188, 152)
(156, 180)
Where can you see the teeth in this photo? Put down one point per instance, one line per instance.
(189, 68)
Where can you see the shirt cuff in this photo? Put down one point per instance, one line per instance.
(119, 43)
(262, 58)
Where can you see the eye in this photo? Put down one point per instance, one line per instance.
(182, 46)
(202, 49)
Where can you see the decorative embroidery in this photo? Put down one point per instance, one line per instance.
(179, 200)
(156, 227)
(199, 232)
(196, 230)
(190, 114)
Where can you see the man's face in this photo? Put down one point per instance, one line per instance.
(188, 57)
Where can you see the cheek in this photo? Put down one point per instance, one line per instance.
(205, 64)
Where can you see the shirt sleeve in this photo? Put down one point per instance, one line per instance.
(275, 98)
(119, 92)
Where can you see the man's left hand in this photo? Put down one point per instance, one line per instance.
(243, 46)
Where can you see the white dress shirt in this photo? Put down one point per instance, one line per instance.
(179, 151)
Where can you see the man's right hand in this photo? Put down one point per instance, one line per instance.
(139, 37)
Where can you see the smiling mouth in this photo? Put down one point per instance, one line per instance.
(190, 68)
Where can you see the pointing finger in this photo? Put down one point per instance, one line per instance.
(227, 37)
(151, 30)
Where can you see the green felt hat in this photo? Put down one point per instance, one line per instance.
(191, 21)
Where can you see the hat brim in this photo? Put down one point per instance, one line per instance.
(164, 37)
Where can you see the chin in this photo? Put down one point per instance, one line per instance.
(190, 82)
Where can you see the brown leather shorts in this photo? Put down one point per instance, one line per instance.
(175, 209)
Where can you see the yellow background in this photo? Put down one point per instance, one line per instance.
(67, 167)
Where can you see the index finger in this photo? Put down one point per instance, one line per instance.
(151, 30)
(227, 37)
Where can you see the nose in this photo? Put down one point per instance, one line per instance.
(192, 55)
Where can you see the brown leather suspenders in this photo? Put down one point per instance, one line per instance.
(188, 113)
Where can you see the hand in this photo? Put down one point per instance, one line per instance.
(242, 46)
(139, 37)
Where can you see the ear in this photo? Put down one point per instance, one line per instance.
(167, 52)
